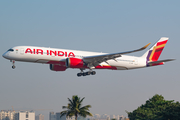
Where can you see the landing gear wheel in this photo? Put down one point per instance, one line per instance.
(13, 67)
(93, 73)
(84, 74)
(79, 74)
(88, 73)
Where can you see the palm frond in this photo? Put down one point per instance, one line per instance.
(71, 102)
(85, 107)
(77, 110)
(82, 99)
(63, 113)
(85, 113)
(70, 114)
(64, 107)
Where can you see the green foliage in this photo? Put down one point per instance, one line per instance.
(156, 108)
(113, 119)
(74, 108)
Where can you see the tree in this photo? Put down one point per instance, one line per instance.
(156, 108)
(113, 119)
(74, 108)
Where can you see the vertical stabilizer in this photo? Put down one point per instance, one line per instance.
(155, 51)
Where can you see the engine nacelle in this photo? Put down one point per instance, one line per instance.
(74, 63)
(57, 67)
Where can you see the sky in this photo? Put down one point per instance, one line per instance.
(98, 26)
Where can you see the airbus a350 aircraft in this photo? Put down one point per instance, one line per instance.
(61, 59)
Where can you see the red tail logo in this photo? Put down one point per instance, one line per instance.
(156, 51)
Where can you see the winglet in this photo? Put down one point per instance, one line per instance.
(142, 48)
(146, 46)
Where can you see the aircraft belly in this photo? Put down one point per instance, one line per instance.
(127, 64)
(122, 68)
(119, 65)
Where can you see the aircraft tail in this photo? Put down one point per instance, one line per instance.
(153, 54)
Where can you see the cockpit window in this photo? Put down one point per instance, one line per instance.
(11, 50)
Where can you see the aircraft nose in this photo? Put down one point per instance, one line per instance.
(5, 55)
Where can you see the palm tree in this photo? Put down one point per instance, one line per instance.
(74, 108)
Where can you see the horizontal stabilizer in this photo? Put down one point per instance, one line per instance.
(160, 61)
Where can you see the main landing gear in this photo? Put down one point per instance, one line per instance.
(86, 73)
(13, 64)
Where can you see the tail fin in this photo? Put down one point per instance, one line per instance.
(155, 51)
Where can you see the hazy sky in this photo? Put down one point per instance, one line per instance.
(100, 26)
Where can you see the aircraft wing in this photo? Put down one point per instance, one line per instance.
(96, 60)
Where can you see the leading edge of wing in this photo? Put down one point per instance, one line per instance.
(105, 57)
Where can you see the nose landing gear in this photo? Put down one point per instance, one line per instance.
(13, 64)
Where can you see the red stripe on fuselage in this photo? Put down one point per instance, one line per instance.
(105, 67)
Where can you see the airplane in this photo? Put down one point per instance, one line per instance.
(61, 59)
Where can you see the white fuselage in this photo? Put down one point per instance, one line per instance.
(55, 56)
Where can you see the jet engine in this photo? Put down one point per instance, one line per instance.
(74, 63)
(57, 67)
